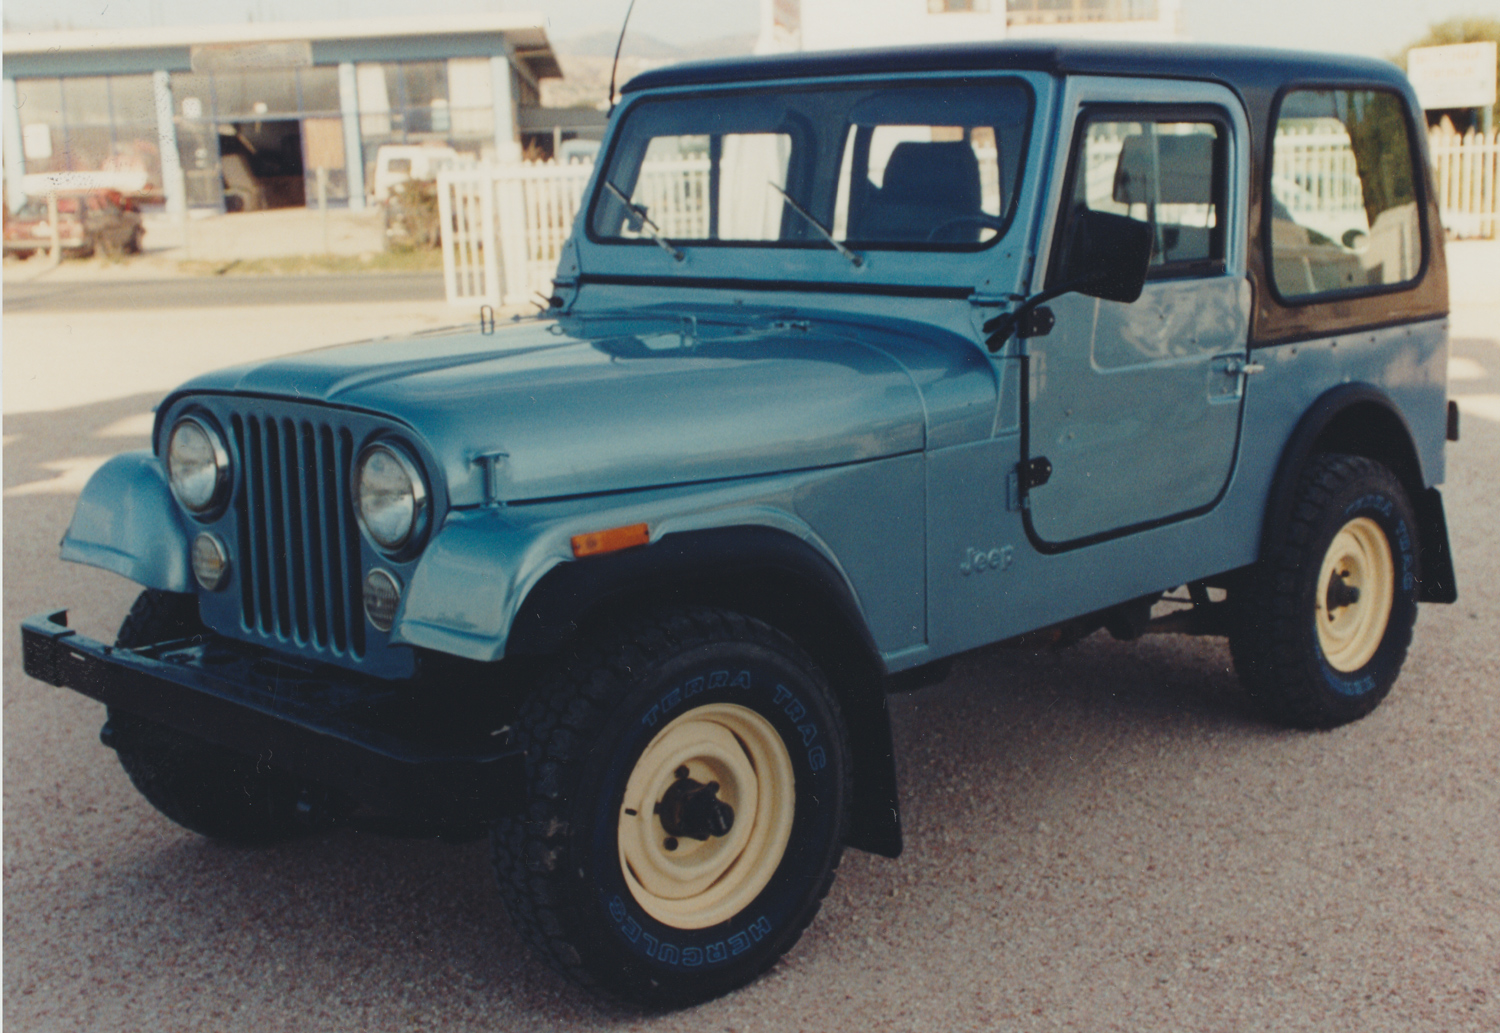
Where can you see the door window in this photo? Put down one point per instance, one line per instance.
(1167, 172)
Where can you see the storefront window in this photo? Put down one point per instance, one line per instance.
(136, 159)
(40, 100)
(193, 96)
(86, 100)
(320, 90)
(260, 94)
(132, 98)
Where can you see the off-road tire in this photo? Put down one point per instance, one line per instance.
(1285, 662)
(200, 786)
(589, 728)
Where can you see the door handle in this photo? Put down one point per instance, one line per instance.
(1237, 365)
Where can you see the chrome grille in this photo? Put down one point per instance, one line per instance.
(298, 536)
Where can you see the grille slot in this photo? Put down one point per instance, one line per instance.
(298, 533)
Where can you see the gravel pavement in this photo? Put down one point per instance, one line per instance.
(1100, 839)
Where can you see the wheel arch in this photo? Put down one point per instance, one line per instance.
(763, 573)
(1360, 419)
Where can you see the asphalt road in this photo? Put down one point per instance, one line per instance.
(52, 295)
(1100, 839)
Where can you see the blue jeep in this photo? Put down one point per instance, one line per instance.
(855, 362)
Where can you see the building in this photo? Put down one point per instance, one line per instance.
(269, 114)
(839, 24)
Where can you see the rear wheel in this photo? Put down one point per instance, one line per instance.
(688, 794)
(200, 786)
(1326, 617)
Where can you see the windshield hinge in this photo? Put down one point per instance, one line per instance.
(979, 299)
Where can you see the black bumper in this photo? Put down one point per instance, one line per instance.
(379, 744)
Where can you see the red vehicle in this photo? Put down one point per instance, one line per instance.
(102, 219)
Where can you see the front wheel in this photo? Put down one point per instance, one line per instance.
(202, 787)
(1326, 617)
(687, 800)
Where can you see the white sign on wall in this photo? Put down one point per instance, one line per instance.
(36, 140)
(1458, 76)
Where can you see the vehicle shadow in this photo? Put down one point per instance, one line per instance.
(1008, 743)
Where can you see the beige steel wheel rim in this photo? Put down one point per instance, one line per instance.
(1351, 627)
(700, 883)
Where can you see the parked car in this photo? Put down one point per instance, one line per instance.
(97, 219)
(966, 345)
(396, 164)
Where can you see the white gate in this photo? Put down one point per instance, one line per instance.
(503, 228)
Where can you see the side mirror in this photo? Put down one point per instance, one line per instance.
(1106, 256)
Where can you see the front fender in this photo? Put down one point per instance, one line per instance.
(472, 593)
(126, 521)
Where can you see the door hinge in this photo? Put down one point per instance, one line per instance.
(1033, 473)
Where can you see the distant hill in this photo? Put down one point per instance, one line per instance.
(602, 44)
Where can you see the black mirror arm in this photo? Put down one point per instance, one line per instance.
(1002, 326)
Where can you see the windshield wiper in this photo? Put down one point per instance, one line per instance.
(841, 249)
(654, 231)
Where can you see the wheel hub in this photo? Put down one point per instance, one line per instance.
(691, 810)
(706, 816)
(1356, 589)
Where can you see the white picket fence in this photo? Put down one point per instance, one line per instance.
(503, 227)
(1466, 170)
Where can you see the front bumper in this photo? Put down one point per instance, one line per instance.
(375, 742)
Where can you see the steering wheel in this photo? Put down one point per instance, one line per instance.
(994, 222)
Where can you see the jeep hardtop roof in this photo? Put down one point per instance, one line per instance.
(1242, 68)
(1257, 75)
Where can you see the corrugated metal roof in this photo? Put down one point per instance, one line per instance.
(526, 35)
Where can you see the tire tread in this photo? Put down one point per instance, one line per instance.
(566, 711)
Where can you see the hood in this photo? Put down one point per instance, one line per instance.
(582, 405)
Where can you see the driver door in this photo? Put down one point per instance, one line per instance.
(1133, 410)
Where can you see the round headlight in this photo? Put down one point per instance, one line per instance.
(197, 465)
(389, 495)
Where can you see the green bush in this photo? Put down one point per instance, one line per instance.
(411, 216)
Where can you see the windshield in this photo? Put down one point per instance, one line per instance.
(914, 167)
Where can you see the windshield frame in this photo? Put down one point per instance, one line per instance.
(1012, 191)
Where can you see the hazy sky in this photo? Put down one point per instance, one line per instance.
(1376, 27)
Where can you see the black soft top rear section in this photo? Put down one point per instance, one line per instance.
(1259, 76)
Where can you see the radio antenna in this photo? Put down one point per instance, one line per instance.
(614, 67)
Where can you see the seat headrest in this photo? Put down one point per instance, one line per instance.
(944, 175)
(1182, 166)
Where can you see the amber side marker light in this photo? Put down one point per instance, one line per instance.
(613, 540)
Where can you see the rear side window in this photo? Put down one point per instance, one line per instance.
(1344, 212)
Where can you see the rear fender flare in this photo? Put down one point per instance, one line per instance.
(1361, 419)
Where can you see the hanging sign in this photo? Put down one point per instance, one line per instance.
(1458, 76)
(239, 57)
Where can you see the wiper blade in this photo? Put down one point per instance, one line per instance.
(654, 234)
(841, 249)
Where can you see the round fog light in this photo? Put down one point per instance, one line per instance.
(382, 595)
(210, 561)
